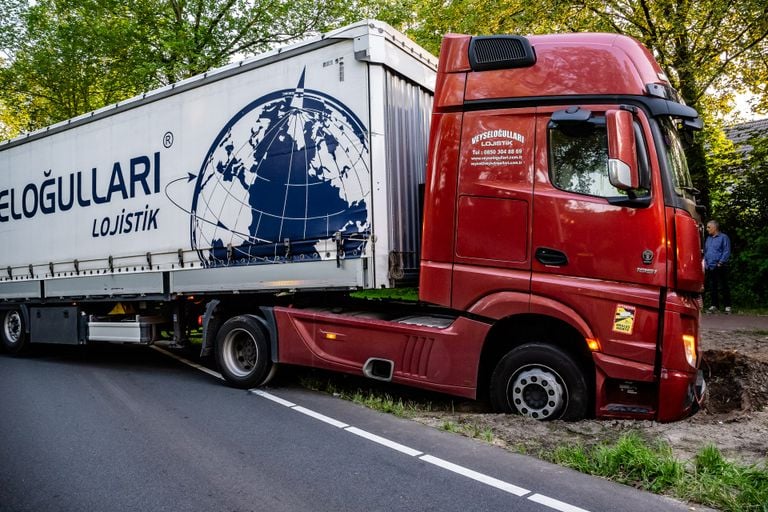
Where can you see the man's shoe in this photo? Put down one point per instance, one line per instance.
(712, 309)
(728, 310)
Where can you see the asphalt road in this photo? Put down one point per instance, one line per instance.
(120, 428)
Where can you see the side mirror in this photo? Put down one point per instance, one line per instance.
(623, 171)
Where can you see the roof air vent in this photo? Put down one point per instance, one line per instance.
(500, 52)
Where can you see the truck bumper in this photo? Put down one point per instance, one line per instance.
(680, 394)
(681, 386)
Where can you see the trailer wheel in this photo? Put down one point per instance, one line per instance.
(539, 381)
(12, 332)
(242, 351)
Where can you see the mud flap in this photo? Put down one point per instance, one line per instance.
(210, 327)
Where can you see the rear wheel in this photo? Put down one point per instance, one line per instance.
(540, 381)
(242, 351)
(13, 336)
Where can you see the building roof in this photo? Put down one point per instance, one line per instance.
(740, 133)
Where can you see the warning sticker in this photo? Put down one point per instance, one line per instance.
(624, 319)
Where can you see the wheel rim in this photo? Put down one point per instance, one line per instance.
(12, 327)
(537, 392)
(241, 354)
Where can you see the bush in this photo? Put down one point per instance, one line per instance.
(740, 204)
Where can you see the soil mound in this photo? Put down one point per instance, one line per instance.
(735, 381)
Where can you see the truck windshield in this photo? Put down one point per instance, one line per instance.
(675, 157)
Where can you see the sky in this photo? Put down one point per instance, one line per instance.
(744, 111)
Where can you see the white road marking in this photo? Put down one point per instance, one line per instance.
(318, 416)
(449, 466)
(384, 441)
(270, 396)
(555, 504)
(188, 362)
(474, 475)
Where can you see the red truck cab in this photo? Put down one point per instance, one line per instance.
(525, 226)
(560, 263)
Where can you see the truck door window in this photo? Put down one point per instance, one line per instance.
(578, 160)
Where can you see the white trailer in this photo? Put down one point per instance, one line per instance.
(264, 174)
(295, 170)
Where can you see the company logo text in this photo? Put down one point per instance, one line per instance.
(139, 176)
(498, 134)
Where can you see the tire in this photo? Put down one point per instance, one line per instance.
(242, 352)
(13, 336)
(539, 381)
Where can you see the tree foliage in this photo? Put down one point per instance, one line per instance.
(72, 58)
(740, 203)
(706, 46)
(188, 37)
(61, 58)
(11, 26)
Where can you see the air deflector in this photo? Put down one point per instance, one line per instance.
(500, 52)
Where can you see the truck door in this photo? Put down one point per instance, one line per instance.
(582, 225)
(494, 205)
(599, 250)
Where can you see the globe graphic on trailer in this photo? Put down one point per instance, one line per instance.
(287, 178)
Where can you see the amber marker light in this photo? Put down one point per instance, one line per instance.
(593, 344)
(330, 335)
(689, 342)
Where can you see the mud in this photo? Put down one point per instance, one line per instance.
(737, 382)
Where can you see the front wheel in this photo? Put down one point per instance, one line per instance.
(242, 351)
(539, 381)
(13, 336)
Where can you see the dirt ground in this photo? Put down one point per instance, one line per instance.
(734, 416)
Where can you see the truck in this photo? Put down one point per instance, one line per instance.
(534, 188)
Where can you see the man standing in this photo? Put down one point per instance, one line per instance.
(717, 252)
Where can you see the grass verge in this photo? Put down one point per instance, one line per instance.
(469, 430)
(708, 478)
(373, 399)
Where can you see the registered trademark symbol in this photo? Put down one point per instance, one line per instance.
(168, 139)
